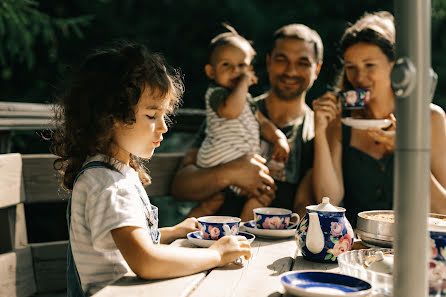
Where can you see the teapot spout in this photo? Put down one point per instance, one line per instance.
(315, 241)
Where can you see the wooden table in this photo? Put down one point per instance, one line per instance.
(258, 277)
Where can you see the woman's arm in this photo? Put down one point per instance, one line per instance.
(438, 160)
(151, 261)
(327, 167)
(247, 172)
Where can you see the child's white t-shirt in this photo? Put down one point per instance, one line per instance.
(103, 200)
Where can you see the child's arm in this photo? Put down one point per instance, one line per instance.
(232, 106)
(272, 134)
(151, 261)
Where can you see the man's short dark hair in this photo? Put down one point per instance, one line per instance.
(300, 32)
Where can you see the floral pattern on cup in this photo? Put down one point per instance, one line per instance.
(273, 218)
(212, 227)
(272, 222)
(355, 98)
(437, 264)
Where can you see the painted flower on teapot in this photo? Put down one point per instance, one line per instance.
(324, 233)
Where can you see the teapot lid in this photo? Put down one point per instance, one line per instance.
(325, 206)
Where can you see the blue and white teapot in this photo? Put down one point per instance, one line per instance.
(324, 233)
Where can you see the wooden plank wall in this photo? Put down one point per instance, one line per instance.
(42, 181)
(16, 267)
(17, 274)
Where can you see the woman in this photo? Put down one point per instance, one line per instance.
(354, 166)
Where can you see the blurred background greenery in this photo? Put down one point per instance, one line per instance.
(41, 39)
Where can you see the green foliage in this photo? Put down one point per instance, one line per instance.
(22, 25)
(181, 30)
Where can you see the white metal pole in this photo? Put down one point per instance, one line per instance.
(412, 84)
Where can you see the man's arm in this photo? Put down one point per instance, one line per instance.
(247, 172)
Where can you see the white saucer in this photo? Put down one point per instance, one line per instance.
(250, 226)
(364, 124)
(196, 238)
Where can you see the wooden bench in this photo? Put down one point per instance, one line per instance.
(33, 229)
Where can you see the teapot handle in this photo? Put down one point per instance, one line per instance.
(315, 241)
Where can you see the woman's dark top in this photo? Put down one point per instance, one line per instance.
(368, 182)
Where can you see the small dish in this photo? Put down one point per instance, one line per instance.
(364, 124)
(195, 238)
(250, 226)
(323, 284)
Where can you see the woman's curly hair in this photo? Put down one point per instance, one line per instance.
(105, 90)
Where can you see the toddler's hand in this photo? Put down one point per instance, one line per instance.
(230, 248)
(186, 226)
(249, 78)
(281, 150)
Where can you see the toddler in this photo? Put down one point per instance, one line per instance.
(232, 122)
(112, 115)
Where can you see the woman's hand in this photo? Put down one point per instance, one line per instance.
(326, 109)
(230, 248)
(385, 136)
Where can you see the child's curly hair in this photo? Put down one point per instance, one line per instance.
(105, 89)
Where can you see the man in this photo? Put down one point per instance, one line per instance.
(293, 64)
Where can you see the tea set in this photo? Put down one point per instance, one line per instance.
(322, 235)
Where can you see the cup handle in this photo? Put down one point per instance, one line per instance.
(294, 225)
(227, 230)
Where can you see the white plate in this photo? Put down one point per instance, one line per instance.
(250, 226)
(323, 284)
(364, 124)
(196, 238)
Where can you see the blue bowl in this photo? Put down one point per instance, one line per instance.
(307, 283)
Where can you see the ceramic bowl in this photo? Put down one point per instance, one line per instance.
(274, 218)
(213, 227)
(323, 284)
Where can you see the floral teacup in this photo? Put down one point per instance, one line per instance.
(354, 98)
(437, 262)
(215, 227)
(274, 218)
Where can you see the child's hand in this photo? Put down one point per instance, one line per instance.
(281, 150)
(230, 248)
(186, 226)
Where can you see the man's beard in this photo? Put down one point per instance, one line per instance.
(290, 95)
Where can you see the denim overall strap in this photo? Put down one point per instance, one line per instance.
(74, 287)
